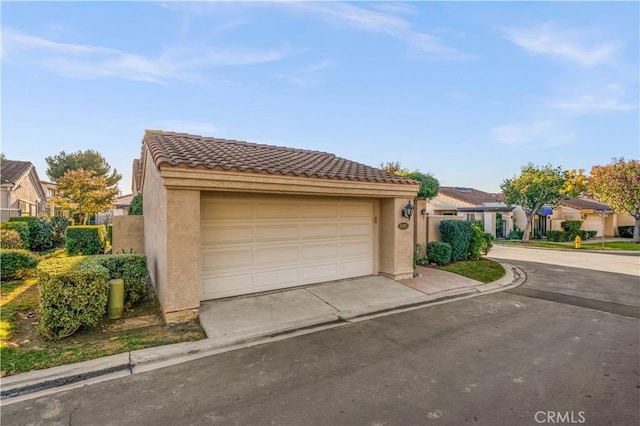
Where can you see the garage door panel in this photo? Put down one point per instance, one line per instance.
(319, 231)
(277, 211)
(355, 230)
(318, 211)
(215, 261)
(226, 286)
(319, 273)
(355, 268)
(355, 249)
(320, 251)
(228, 234)
(277, 233)
(356, 210)
(277, 279)
(278, 255)
(226, 209)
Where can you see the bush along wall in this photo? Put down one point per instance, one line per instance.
(73, 293)
(439, 252)
(625, 231)
(39, 232)
(22, 228)
(16, 264)
(85, 239)
(458, 235)
(74, 290)
(571, 229)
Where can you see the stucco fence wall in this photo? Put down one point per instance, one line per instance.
(128, 234)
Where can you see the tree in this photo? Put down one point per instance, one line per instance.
(85, 192)
(429, 185)
(534, 188)
(618, 185)
(82, 160)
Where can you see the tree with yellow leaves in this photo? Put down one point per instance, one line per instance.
(84, 192)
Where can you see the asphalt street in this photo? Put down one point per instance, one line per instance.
(497, 359)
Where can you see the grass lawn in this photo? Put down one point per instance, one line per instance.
(22, 348)
(593, 244)
(483, 270)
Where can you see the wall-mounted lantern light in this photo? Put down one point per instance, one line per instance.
(423, 212)
(407, 211)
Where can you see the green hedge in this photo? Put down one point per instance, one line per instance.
(10, 239)
(571, 226)
(86, 239)
(110, 234)
(21, 228)
(458, 234)
(73, 293)
(39, 232)
(59, 225)
(132, 268)
(17, 263)
(439, 252)
(625, 231)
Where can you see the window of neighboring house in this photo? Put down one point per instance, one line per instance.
(471, 216)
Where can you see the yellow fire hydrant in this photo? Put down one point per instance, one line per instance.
(578, 241)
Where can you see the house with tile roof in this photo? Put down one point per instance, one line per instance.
(595, 216)
(21, 193)
(473, 204)
(225, 218)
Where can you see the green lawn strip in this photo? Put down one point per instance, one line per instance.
(23, 349)
(17, 360)
(612, 245)
(483, 270)
(591, 245)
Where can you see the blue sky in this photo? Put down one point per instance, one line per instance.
(468, 91)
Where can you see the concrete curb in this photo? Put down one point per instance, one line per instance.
(37, 383)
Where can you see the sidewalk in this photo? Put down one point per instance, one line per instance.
(251, 320)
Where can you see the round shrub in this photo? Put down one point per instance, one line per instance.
(10, 239)
(21, 228)
(73, 293)
(135, 208)
(39, 232)
(17, 263)
(439, 252)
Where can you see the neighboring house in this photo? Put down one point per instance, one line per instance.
(50, 190)
(121, 206)
(595, 216)
(474, 204)
(225, 218)
(21, 193)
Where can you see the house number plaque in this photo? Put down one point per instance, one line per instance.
(403, 225)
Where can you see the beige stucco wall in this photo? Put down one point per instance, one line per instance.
(396, 245)
(420, 224)
(625, 220)
(443, 203)
(128, 234)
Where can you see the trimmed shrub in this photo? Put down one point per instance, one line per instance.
(85, 239)
(59, 225)
(10, 239)
(489, 239)
(132, 268)
(21, 228)
(439, 252)
(556, 236)
(135, 208)
(625, 231)
(591, 234)
(39, 232)
(478, 244)
(17, 263)
(571, 226)
(73, 293)
(458, 235)
(515, 234)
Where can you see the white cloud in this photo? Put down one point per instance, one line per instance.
(307, 76)
(383, 22)
(87, 62)
(564, 44)
(537, 134)
(611, 98)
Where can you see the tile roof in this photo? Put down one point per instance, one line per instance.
(585, 204)
(184, 150)
(470, 195)
(12, 171)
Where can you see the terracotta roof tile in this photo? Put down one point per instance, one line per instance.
(184, 150)
(470, 195)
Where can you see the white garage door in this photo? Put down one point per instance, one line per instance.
(253, 244)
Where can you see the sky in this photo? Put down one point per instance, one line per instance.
(467, 91)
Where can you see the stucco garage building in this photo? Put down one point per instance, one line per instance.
(225, 218)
